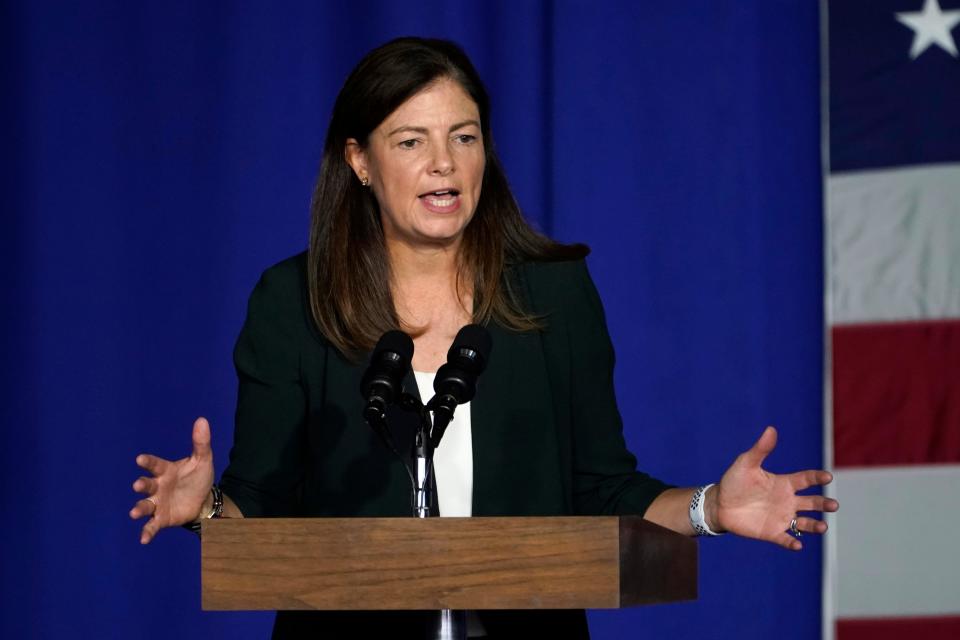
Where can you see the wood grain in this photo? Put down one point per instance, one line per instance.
(442, 563)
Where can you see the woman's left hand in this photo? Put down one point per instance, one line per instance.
(755, 503)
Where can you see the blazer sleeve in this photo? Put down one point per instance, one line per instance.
(605, 476)
(267, 462)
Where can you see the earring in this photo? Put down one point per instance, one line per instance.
(365, 181)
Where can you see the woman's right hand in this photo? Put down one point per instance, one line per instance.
(179, 490)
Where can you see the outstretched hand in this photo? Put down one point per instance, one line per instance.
(177, 489)
(755, 503)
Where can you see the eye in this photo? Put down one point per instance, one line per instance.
(465, 138)
(409, 144)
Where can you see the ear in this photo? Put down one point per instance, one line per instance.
(356, 157)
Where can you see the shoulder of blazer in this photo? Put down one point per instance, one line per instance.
(552, 287)
(287, 283)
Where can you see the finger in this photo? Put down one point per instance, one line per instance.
(811, 525)
(813, 477)
(149, 531)
(145, 507)
(762, 447)
(787, 541)
(201, 439)
(817, 503)
(153, 464)
(146, 485)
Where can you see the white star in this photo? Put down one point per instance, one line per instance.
(931, 26)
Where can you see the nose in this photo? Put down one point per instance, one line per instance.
(441, 163)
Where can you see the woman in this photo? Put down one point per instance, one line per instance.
(414, 227)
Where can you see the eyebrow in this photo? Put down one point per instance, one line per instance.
(424, 130)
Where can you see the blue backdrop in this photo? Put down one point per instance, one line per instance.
(163, 155)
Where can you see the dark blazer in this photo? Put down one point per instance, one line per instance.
(547, 436)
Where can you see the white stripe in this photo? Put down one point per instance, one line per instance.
(894, 244)
(896, 543)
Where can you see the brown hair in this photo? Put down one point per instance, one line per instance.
(347, 260)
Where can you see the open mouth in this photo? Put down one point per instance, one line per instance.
(445, 193)
(441, 198)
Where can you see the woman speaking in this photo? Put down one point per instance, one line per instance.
(414, 227)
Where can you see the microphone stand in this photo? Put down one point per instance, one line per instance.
(382, 383)
(450, 624)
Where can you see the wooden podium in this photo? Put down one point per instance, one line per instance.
(444, 563)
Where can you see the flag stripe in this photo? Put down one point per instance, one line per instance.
(895, 537)
(894, 244)
(896, 392)
(926, 628)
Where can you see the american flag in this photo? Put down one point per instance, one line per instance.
(892, 235)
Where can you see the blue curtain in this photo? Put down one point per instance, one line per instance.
(161, 155)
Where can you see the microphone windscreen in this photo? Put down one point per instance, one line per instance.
(388, 365)
(475, 338)
(395, 342)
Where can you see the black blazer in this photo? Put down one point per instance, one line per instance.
(547, 436)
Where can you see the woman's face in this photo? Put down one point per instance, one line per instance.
(425, 165)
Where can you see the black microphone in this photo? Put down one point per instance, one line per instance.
(382, 385)
(382, 382)
(456, 381)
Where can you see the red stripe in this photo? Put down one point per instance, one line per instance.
(928, 628)
(896, 393)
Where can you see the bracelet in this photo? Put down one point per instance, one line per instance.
(215, 512)
(217, 502)
(697, 519)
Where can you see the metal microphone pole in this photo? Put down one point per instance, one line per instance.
(423, 461)
(450, 624)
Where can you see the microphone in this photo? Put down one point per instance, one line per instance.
(382, 383)
(456, 381)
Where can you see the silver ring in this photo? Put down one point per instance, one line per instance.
(153, 502)
(793, 528)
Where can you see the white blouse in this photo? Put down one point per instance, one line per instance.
(453, 458)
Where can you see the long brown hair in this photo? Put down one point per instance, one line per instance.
(348, 270)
